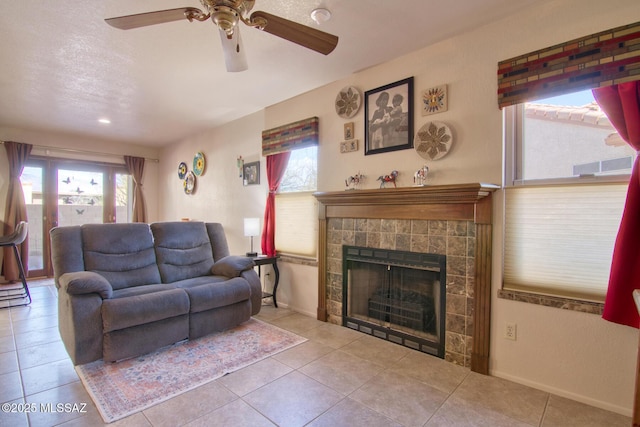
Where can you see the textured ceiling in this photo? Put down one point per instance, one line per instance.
(63, 68)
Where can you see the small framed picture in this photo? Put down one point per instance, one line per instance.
(348, 130)
(251, 173)
(349, 146)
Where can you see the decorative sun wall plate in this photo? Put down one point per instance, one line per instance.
(198, 163)
(182, 170)
(434, 100)
(189, 183)
(348, 102)
(433, 141)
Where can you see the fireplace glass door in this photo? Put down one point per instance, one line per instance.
(396, 300)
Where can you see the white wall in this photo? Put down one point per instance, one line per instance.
(569, 353)
(220, 195)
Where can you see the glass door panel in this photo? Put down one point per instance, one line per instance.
(80, 197)
(61, 193)
(33, 189)
(124, 197)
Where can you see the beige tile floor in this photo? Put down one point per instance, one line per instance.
(337, 378)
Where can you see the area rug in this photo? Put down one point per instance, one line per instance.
(124, 388)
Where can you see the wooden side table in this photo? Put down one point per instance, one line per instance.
(269, 260)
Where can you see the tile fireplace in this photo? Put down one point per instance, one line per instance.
(452, 221)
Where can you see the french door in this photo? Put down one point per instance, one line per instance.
(63, 193)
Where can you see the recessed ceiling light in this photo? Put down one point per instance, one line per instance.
(320, 15)
(104, 121)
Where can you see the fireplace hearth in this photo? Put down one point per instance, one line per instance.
(396, 295)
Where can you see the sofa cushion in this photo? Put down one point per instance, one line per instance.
(218, 240)
(183, 250)
(141, 290)
(232, 266)
(122, 253)
(121, 313)
(197, 281)
(214, 295)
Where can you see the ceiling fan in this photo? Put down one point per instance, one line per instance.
(226, 14)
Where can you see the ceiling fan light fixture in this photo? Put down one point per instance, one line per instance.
(225, 18)
(320, 15)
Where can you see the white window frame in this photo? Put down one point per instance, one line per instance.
(513, 118)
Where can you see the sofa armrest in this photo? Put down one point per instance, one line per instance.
(85, 282)
(232, 266)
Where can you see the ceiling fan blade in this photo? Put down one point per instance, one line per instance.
(152, 18)
(297, 33)
(233, 50)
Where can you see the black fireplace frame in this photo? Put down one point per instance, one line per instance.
(396, 258)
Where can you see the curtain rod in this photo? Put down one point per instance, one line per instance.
(73, 150)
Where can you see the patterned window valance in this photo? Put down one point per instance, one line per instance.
(301, 134)
(601, 59)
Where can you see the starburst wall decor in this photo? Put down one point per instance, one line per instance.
(433, 141)
(348, 102)
(434, 100)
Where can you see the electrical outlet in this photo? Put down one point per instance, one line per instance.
(510, 331)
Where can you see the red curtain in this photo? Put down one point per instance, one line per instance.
(16, 210)
(621, 103)
(276, 165)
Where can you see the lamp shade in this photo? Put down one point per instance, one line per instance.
(251, 227)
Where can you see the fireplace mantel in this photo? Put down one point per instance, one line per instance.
(457, 202)
(456, 193)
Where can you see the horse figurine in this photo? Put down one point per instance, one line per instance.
(353, 182)
(385, 179)
(420, 177)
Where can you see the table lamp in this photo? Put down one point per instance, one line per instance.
(251, 229)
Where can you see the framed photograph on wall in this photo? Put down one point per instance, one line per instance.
(349, 130)
(251, 173)
(389, 117)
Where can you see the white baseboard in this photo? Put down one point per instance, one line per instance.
(628, 412)
(297, 310)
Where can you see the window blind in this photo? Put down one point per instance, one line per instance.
(559, 239)
(297, 224)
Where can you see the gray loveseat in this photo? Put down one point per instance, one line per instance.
(127, 289)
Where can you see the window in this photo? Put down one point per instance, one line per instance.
(296, 208)
(124, 197)
(567, 172)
